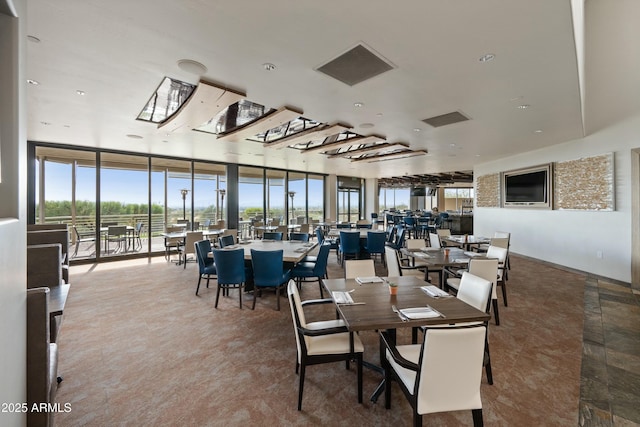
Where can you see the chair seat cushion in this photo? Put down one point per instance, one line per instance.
(303, 269)
(412, 354)
(453, 282)
(332, 344)
(310, 258)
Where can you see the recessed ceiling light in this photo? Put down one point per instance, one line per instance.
(67, 126)
(452, 145)
(134, 136)
(358, 104)
(33, 82)
(477, 155)
(268, 66)
(164, 140)
(417, 129)
(516, 98)
(538, 131)
(81, 92)
(523, 106)
(366, 125)
(33, 39)
(379, 115)
(191, 66)
(487, 57)
(46, 123)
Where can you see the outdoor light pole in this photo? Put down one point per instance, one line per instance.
(292, 195)
(222, 192)
(184, 193)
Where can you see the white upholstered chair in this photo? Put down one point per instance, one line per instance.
(322, 341)
(418, 369)
(359, 268)
(487, 268)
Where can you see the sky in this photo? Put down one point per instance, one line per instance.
(129, 186)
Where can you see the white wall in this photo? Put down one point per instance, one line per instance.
(572, 238)
(12, 214)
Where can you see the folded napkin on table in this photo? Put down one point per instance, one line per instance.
(419, 312)
(342, 297)
(435, 291)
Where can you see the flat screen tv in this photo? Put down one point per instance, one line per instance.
(529, 187)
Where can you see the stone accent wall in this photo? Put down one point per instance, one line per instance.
(488, 191)
(585, 184)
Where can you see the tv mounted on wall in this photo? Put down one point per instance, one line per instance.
(528, 188)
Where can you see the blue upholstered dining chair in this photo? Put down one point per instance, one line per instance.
(301, 237)
(206, 265)
(272, 235)
(268, 272)
(321, 239)
(376, 243)
(231, 271)
(226, 240)
(349, 245)
(313, 270)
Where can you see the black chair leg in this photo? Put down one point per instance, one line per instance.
(477, 417)
(417, 419)
(301, 387)
(359, 361)
(496, 315)
(240, 293)
(198, 287)
(504, 293)
(217, 296)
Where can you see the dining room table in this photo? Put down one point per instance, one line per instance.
(439, 259)
(293, 251)
(466, 241)
(372, 307)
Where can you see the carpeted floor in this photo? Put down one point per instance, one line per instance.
(138, 348)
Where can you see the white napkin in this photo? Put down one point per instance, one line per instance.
(373, 279)
(435, 291)
(342, 297)
(472, 254)
(461, 260)
(419, 313)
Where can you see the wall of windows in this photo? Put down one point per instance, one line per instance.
(92, 190)
(394, 198)
(458, 199)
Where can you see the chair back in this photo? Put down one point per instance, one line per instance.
(275, 222)
(475, 291)
(375, 242)
(415, 243)
(320, 268)
(221, 224)
(195, 226)
(409, 221)
(443, 232)
(202, 249)
(434, 239)
(501, 255)
(302, 237)
(304, 228)
(487, 268)
(284, 230)
(320, 235)
(272, 235)
(501, 242)
(230, 266)
(359, 268)
(297, 314)
(393, 266)
(226, 240)
(231, 232)
(502, 234)
(343, 225)
(458, 388)
(190, 240)
(267, 267)
(117, 230)
(391, 233)
(364, 226)
(349, 242)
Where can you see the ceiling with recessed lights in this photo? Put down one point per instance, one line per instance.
(349, 88)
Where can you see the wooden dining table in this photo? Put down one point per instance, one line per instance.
(466, 241)
(373, 307)
(437, 259)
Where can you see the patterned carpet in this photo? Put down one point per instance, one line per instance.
(138, 348)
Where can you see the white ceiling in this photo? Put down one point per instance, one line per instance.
(118, 52)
